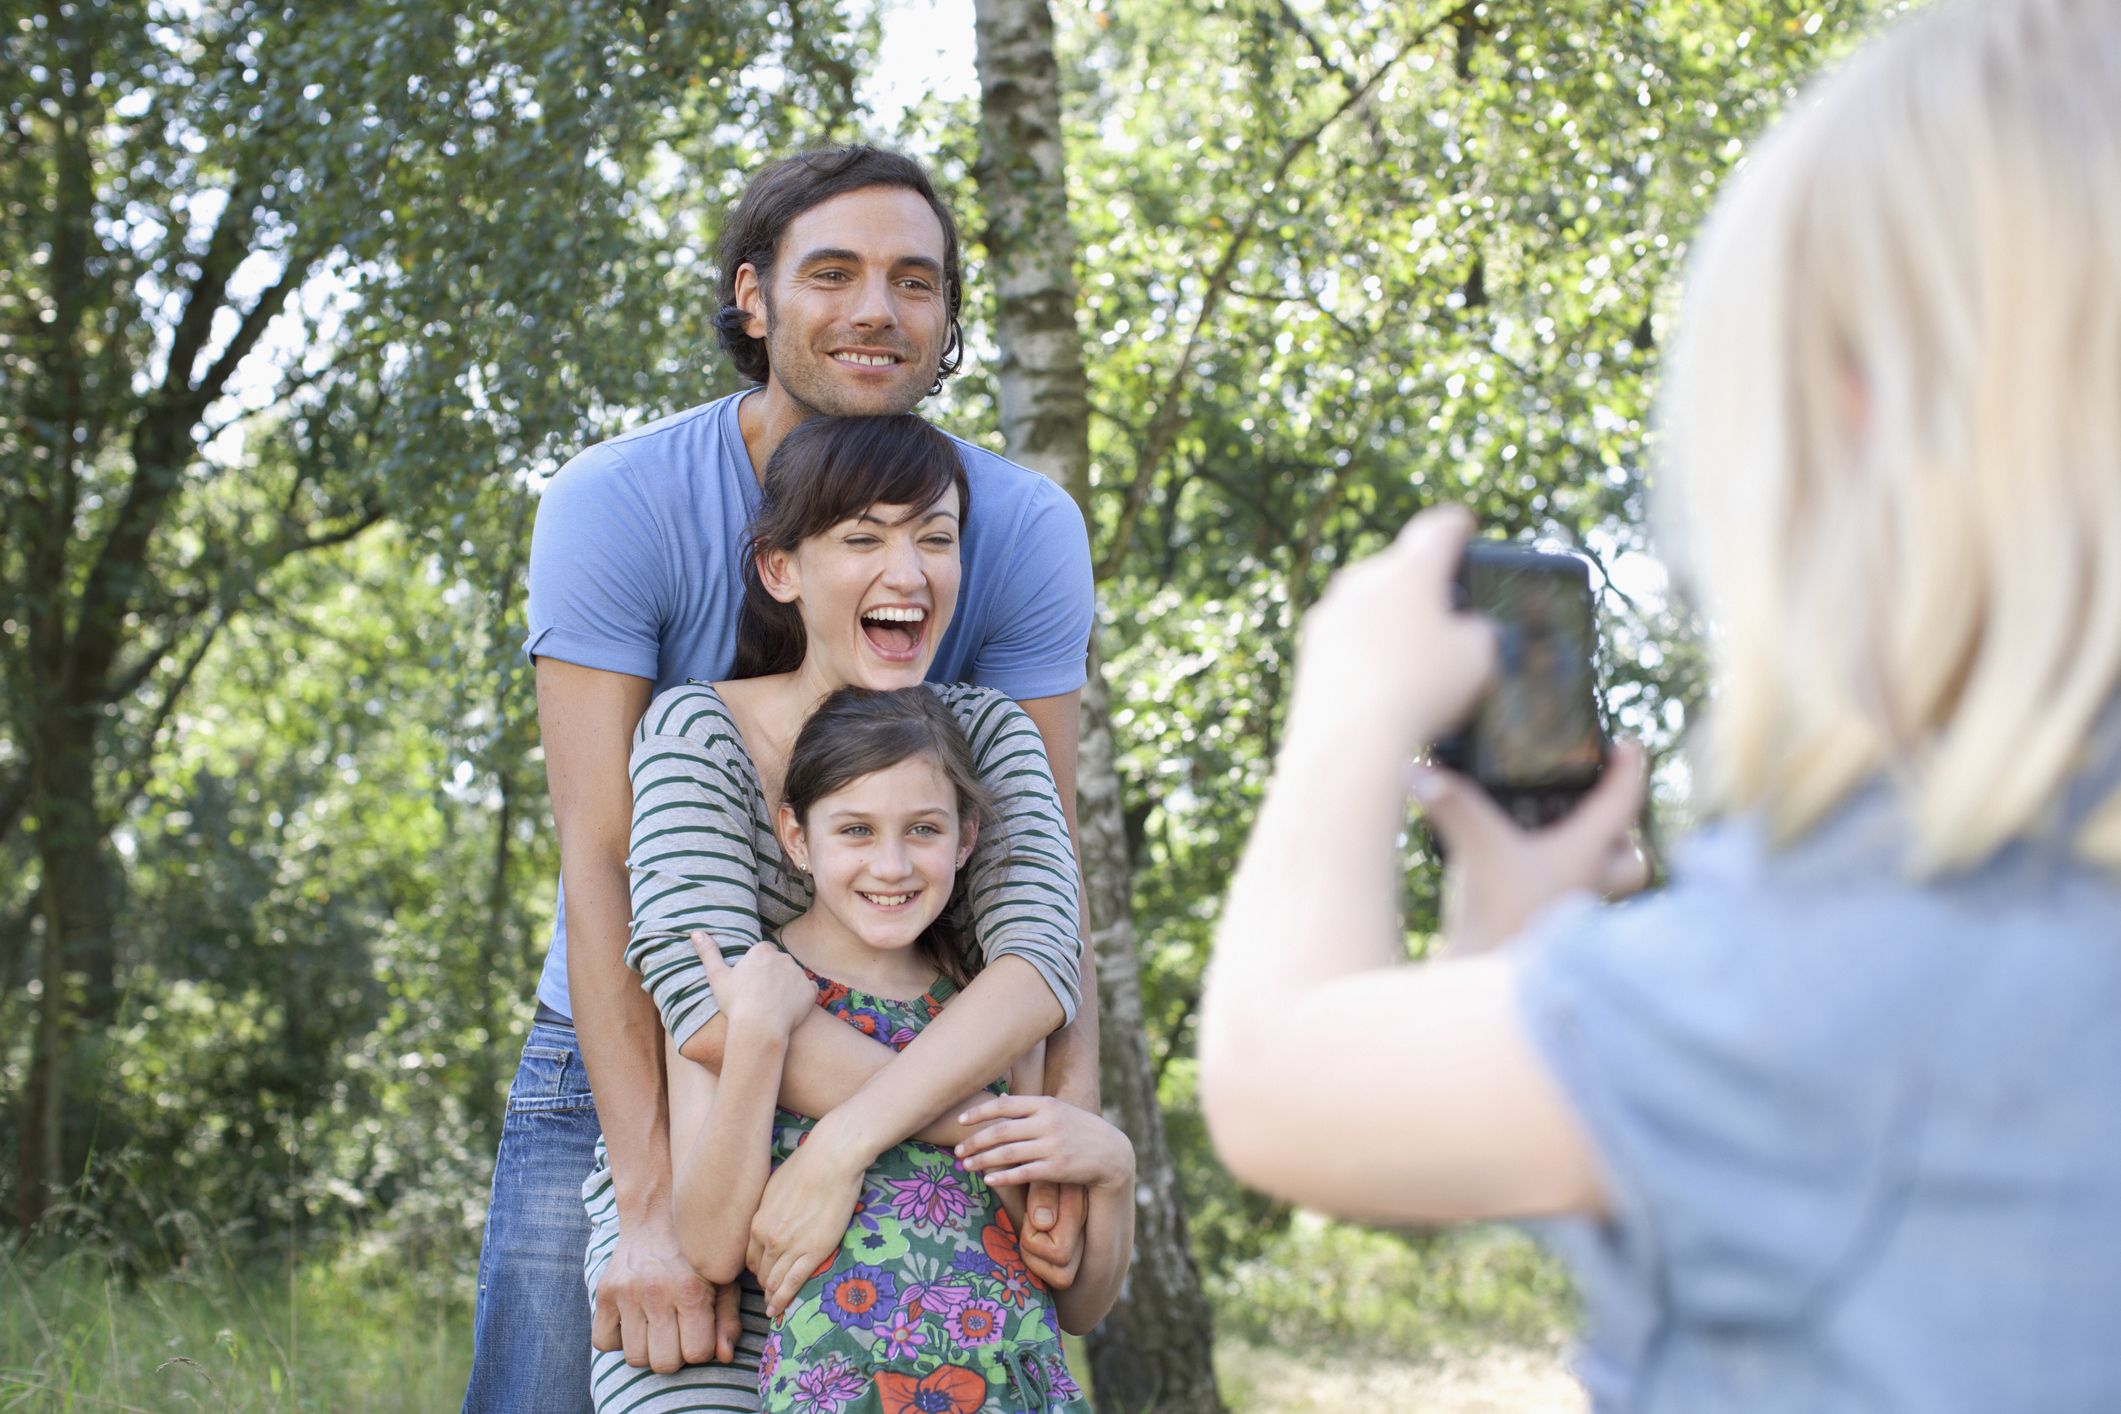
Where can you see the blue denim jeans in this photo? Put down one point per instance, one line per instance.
(530, 1341)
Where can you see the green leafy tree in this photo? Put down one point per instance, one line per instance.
(273, 275)
(1339, 262)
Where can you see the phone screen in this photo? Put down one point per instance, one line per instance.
(1539, 725)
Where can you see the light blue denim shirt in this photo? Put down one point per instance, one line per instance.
(1861, 1136)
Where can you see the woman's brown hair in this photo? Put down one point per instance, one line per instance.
(857, 731)
(829, 470)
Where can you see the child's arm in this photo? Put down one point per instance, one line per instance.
(719, 1179)
(1017, 1139)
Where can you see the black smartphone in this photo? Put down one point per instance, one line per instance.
(1536, 741)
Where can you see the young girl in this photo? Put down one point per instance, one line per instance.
(927, 1305)
(1833, 1123)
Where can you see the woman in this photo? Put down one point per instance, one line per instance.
(852, 580)
(1835, 1122)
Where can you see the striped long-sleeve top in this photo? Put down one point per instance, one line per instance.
(703, 852)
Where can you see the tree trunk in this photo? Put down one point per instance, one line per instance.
(1155, 1350)
(79, 907)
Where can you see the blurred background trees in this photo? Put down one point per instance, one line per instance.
(300, 304)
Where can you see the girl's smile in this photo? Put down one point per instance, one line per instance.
(882, 852)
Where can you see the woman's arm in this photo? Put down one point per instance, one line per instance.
(1020, 1139)
(719, 1179)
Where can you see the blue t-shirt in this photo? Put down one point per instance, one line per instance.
(635, 567)
(1861, 1135)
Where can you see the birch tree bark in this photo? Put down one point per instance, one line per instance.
(1155, 1350)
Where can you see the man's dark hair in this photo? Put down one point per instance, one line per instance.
(784, 190)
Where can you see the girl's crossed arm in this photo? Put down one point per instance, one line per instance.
(719, 1178)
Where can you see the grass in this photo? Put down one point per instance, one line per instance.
(1322, 1285)
(1326, 1317)
(76, 1334)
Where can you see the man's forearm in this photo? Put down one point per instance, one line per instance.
(621, 1037)
(1072, 1051)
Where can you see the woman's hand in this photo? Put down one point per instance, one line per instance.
(1022, 1138)
(1500, 874)
(803, 1216)
(767, 992)
(1385, 662)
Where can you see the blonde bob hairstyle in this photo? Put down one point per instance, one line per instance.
(1893, 435)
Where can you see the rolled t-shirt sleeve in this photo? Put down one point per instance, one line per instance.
(1746, 1127)
(596, 593)
(693, 858)
(1020, 883)
(1044, 607)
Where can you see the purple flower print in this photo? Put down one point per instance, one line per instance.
(977, 1264)
(866, 1208)
(933, 1199)
(826, 1388)
(1064, 1383)
(934, 1298)
(976, 1323)
(902, 1334)
(860, 1297)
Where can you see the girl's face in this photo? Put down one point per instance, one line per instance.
(883, 851)
(875, 592)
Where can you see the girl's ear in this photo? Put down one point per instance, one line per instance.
(789, 831)
(779, 577)
(969, 839)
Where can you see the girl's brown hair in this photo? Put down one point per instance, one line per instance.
(857, 731)
(829, 470)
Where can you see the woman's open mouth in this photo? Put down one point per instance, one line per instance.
(895, 632)
(891, 902)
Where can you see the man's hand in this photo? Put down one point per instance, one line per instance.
(1052, 1237)
(802, 1217)
(655, 1307)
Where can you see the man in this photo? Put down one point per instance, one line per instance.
(839, 297)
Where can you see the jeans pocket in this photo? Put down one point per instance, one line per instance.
(549, 1078)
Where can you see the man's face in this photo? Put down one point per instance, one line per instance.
(856, 314)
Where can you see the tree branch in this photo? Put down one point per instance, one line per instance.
(13, 797)
(247, 333)
(225, 250)
(134, 770)
(1171, 406)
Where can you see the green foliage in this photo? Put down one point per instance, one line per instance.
(1380, 256)
(1386, 257)
(273, 276)
(1321, 1285)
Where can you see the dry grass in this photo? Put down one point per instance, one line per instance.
(1496, 1380)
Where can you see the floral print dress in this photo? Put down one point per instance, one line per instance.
(927, 1307)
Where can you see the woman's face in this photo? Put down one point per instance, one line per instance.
(875, 592)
